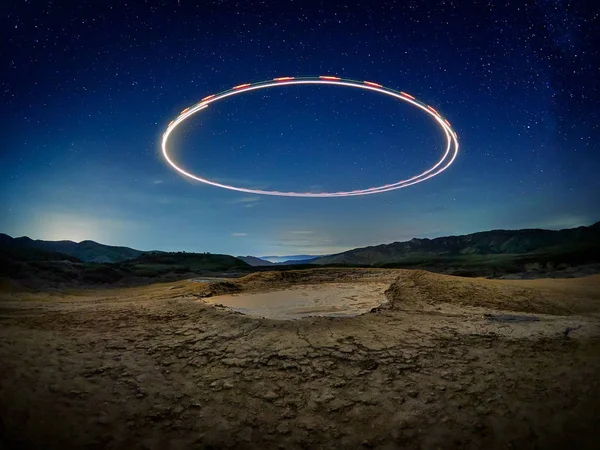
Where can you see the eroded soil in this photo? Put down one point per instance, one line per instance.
(158, 368)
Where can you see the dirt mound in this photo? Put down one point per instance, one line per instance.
(421, 290)
(418, 289)
(219, 288)
(275, 279)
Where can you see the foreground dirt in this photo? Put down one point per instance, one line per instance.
(437, 367)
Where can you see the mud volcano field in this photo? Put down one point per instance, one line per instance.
(443, 362)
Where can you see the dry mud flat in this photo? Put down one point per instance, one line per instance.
(446, 363)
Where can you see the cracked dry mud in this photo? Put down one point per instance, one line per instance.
(158, 368)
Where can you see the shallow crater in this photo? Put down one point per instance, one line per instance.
(328, 300)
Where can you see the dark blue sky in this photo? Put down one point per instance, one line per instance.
(89, 87)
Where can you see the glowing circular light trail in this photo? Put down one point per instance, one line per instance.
(451, 148)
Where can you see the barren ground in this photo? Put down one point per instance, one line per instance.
(446, 363)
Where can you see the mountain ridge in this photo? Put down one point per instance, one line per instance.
(255, 261)
(86, 250)
(289, 258)
(493, 242)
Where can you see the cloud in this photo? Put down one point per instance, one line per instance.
(246, 200)
(239, 234)
(301, 232)
(159, 181)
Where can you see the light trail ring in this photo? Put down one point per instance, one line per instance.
(447, 159)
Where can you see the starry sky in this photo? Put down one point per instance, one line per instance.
(89, 87)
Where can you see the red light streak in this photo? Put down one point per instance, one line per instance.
(447, 159)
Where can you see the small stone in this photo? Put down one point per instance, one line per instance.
(288, 414)
(482, 411)
(283, 428)
(270, 395)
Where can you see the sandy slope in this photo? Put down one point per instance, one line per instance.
(156, 367)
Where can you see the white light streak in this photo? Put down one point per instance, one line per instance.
(451, 148)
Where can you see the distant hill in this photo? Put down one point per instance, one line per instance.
(33, 267)
(288, 262)
(88, 251)
(290, 259)
(496, 242)
(254, 261)
(13, 254)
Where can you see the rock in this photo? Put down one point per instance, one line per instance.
(288, 414)
(236, 362)
(337, 404)
(270, 395)
(283, 428)
(325, 397)
(227, 384)
(75, 393)
(369, 364)
(482, 411)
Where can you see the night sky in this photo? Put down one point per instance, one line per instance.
(88, 88)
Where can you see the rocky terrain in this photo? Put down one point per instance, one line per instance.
(446, 363)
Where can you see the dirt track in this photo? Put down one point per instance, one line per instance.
(155, 367)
